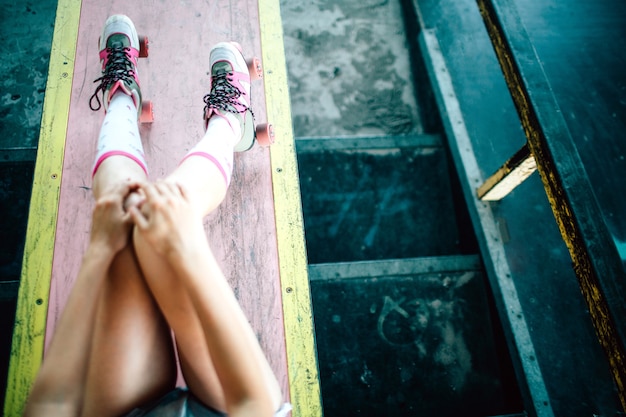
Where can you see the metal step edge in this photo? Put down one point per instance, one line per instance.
(316, 144)
(394, 267)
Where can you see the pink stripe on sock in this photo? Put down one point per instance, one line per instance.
(118, 153)
(212, 159)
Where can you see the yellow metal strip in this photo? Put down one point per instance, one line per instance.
(32, 301)
(299, 331)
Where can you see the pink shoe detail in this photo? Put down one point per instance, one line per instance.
(132, 53)
(230, 91)
(119, 54)
(123, 88)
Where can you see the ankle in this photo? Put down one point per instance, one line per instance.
(226, 126)
(121, 98)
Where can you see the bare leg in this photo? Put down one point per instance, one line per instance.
(205, 174)
(112, 349)
(176, 303)
(132, 358)
(59, 387)
(204, 181)
(197, 173)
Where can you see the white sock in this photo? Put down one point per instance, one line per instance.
(219, 142)
(233, 122)
(119, 134)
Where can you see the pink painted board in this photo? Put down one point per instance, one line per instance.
(242, 231)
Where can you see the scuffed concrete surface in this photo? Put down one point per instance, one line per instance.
(23, 80)
(348, 66)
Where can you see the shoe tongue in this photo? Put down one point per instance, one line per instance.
(221, 67)
(118, 41)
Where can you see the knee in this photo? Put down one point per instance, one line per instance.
(161, 279)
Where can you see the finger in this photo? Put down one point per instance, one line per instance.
(127, 222)
(183, 190)
(163, 188)
(125, 188)
(135, 185)
(133, 199)
(117, 196)
(141, 192)
(128, 187)
(173, 189)
(140, 221)
(151, 192)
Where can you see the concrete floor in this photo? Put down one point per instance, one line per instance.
(25, 36)
(349, 70)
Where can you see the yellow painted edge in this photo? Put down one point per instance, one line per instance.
(32, 301)
(298, 315)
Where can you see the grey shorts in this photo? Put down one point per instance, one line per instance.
(176, 403)
(182, 403)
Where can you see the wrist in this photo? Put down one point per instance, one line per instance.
(100, 250)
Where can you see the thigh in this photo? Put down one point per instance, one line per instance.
(175, 303)
(132, 358)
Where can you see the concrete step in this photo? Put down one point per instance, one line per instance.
(414, 336)
(373, 198)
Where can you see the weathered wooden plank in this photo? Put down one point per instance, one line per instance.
(175, 78)
(296, 293)
(393, 267)
(511, 174)
(30, 322)
(597, 263)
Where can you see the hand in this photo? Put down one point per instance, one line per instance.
(167, 220)
(111, 224)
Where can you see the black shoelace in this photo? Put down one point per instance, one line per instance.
(224, 96)
(118, 67)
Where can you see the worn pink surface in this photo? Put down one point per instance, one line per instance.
(242, 231)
